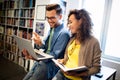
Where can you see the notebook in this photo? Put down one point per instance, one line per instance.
(27, 44)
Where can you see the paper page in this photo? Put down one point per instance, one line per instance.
(82, 68)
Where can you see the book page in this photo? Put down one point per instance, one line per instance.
(81, 68)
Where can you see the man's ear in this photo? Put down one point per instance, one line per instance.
(60, 16)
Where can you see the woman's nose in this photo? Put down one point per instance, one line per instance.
(69, 25)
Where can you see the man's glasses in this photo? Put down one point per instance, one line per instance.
(50, 18)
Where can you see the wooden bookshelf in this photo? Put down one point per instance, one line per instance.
(16, 17)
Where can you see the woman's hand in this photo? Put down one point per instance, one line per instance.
(77, 74)
(71, 73)
(61, 61)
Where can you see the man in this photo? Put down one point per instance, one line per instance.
(54, 45)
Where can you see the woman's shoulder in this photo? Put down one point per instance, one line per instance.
(92, 40)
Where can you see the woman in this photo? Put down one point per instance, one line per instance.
(82, 50)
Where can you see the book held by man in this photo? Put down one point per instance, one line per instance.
(64, 68)
(27, 44)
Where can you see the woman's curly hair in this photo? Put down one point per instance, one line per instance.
(84, 30)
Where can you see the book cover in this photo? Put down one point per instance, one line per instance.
(40, 28)
(30, 3)
(64, 68)
(31, 23)
(33, 13)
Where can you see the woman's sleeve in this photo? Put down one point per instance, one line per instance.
(96, 59)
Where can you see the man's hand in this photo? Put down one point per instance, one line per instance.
(26, 54)
(36, 38)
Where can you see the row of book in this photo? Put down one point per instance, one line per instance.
(10, 40)
(16, 13)
(27, 13)
(11, 48)
(10, 4)
(21, 33)
(2, 13)
(26, 23)
(17, 3)
(25, 34)
(12, 21)
(2, 20)
(28, 3)
(21, 23)
(9, 31)
(12, 13)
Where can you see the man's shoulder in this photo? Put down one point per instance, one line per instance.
(62, 28)
(65, 31)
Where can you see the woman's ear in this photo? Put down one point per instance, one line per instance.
(80, 22)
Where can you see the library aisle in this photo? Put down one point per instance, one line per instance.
(10, 71)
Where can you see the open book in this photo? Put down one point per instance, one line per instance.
(27, 44)
(77, 69)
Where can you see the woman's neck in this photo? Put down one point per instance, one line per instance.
(77, 42)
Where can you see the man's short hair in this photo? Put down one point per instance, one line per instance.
(56, 7)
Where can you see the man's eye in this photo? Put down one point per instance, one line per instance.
(50, 17)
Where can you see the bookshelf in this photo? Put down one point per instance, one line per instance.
(2, 27)
(16, 17)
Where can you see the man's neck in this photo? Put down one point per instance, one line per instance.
(57, 25)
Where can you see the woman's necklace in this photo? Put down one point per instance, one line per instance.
(73, 46)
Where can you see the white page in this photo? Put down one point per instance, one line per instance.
(81, 68)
